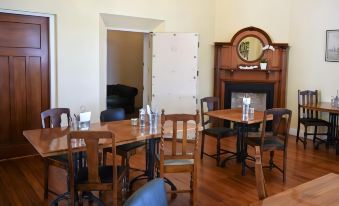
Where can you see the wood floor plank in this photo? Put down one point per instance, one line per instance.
(21, 180)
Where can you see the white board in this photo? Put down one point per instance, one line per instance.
(174, 72)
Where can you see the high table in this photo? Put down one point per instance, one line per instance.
(53, 141)
(333, 118)
(235, 115)
(320, 191)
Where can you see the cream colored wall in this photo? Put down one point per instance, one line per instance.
(124, 60)
(270, 15)
(307, 66)
(77, 33)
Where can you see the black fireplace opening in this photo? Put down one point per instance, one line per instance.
(239, 87)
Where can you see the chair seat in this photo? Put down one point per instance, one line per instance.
(270, 142)
(60, 158)
(123, 149)
(219, 132)
(314, 122)
(172, 162)
(105, 174)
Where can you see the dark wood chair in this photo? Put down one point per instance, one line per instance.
(275, 140)
(126, 150)
(54, 115)
(259, 175)
(217, 132)
(179, 159)
(94, 177)
(310, 118)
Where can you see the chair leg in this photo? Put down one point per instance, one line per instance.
(298, 131)
(46, 172)
(284, 165)
(218, 151)
(104, 157)
(202, 146)
(315, 133)
(271, 160)
(305, 137)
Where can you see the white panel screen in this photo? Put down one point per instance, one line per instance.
(174, 71)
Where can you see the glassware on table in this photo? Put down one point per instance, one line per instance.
(142, 118)
(246, 101)
(153, 120)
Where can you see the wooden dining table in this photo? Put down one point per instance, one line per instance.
(318, 192)
(333, 119)
(53, 141)
(235, 115)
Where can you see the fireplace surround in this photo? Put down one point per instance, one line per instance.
(228, 75)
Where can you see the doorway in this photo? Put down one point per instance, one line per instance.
(125, 70)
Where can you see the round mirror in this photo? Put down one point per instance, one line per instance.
(250, 48)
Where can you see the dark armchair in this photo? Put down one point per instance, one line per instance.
(122, 96)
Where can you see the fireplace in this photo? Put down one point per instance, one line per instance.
(262, 95)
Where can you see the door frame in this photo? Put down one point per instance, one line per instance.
(104, 26)
(52, 51)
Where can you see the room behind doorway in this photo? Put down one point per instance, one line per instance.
(125, 61)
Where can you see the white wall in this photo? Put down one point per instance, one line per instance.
(124, 60)
(307, 66)
(270, 15)
(77, 33)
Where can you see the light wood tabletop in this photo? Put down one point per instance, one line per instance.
(322, 107)
(321, 191)
(53, 141)
(235, 115)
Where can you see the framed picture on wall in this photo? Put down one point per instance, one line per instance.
(332, 46)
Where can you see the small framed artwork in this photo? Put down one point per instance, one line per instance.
(332, 46)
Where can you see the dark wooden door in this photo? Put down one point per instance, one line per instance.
(24, 79)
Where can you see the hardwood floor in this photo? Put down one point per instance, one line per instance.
(21, 180)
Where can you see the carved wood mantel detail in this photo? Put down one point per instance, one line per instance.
(227, 62)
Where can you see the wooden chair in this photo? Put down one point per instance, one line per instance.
(60, 161)
(219, 133)
(93, 177)
(276, 140)
(259, 175)
(179, 160)
(310, 118)
(126, 150)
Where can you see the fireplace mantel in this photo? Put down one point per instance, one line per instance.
(227, 62)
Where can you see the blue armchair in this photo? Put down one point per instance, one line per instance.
(151, 194)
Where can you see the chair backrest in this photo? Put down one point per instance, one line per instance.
(280, 123)
(307, 97)
(259, 175)
(212, 103)
(174, 119)
(112, 115)
(90, 140)
(151, 194)
(54, 116)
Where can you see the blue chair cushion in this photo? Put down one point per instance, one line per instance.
(151, 194)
